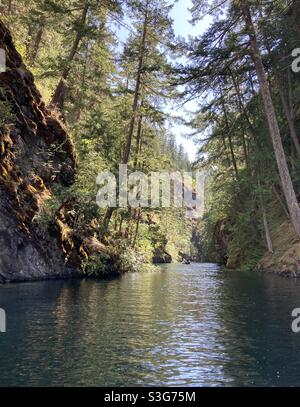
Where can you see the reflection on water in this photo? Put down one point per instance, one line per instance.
(182, 325)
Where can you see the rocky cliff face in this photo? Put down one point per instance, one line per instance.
(285, 260)
(35, 153)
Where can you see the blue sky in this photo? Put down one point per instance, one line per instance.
(181, 16)
(182, 27)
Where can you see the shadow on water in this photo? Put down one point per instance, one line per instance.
(261, 347)
(182, 325)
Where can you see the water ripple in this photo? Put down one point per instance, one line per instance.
(180, 326)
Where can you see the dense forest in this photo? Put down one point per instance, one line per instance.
(117, 96)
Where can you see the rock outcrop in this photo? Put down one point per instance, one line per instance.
(285, 260)
(160, 256)
(35, 153)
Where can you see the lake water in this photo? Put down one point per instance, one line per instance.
(180, 326)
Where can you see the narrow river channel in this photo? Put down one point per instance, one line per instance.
(192, 325)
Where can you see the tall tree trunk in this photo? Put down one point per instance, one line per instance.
(233, 155)
(245, 147)
(109, 211)
(28, 39)
(288, 113)
(286, 104)
(242, 107)
(78, 108)
(59, 94)
(116, 223)
(137, 89)
(106, 220)
(37, 41)
(243, 111)
(138, 141)
(234, 163)
(137, 227)
(281, 201)
(267, 230)
(225, 150)
(285, 177)
(265, 220)
(296, 15)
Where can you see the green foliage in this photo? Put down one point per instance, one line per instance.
(133, 260)
(236, 148)
(61, 44)
(47, 212)
(98, 266)
(129, 260)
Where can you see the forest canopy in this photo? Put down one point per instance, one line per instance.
(119, 96)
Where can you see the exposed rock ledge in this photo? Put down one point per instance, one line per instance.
(27, 172)
(285, 260)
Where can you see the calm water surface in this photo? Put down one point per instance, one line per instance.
(182, 325)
